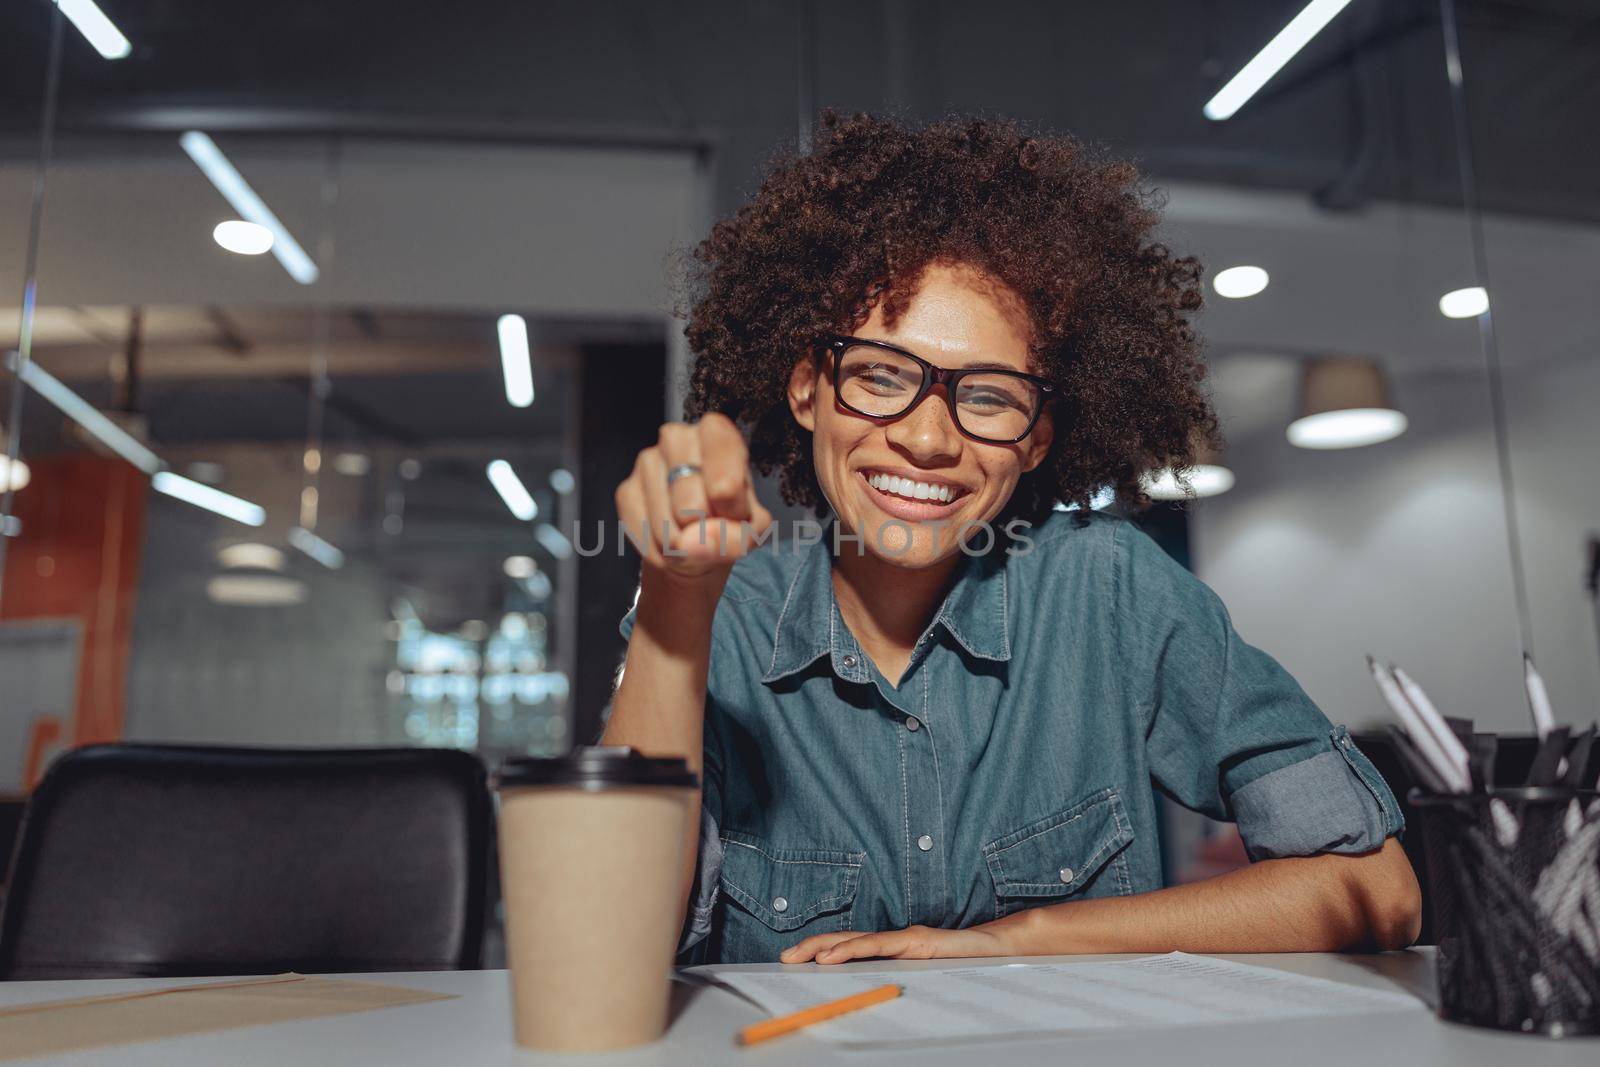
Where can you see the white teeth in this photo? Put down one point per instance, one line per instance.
(911, 490)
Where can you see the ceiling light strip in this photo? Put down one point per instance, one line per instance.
(203, 496)
(515, 361)
(512, 491)
(316, 548)
(86, 415)
(1267, 62)
(96, 28)
(231, 184)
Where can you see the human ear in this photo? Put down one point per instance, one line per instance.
(803, 393)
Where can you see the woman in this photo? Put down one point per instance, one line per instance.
(934, 730)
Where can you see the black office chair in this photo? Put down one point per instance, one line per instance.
(177, 860)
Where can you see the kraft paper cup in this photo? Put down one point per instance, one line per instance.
(591, 853)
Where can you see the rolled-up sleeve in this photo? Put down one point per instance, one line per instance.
(708, 864)
(1229, 732)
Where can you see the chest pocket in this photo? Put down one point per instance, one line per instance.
(778, 896)
(1078, 852)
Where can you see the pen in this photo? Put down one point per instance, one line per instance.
(1438, 742)
(1435, 723)
(1426, 744)
(785, 1024)
(1544, 717)
(1422, 771)
(1507, 827)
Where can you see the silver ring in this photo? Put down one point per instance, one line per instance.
(682, 470)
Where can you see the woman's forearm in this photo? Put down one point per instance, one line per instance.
(1323, 903)
(659, 707)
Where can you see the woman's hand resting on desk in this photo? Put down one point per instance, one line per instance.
(1328, 902)
(912, 943)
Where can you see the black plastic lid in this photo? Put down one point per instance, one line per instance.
(596, 767)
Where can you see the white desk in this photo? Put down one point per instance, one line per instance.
(475, 1031)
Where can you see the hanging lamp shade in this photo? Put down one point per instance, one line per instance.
(1345, 403)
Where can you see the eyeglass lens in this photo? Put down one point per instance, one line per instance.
(881, 383)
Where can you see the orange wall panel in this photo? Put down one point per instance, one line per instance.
(78, 557)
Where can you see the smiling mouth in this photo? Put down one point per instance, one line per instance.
(910, 489)
(901, 492)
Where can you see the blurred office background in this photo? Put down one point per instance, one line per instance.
(455, 181)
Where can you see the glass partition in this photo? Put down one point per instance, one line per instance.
(302, 428)
(365, 579)
(1523, 99)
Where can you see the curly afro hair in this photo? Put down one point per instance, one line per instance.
(831, 233)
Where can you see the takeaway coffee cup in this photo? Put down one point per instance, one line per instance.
(591, 852)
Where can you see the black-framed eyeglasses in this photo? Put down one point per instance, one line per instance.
(883, 381)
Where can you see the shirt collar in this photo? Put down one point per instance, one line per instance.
(975, 611)
(809, 625)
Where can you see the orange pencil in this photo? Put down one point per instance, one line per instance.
(785, 1024)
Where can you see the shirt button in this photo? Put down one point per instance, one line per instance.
(925, 842)
(913, 723)
(849, 662)
(1066, 874)
(780, 904)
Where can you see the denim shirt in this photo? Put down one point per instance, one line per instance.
(1012, 766)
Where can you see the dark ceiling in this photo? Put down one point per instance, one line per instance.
(1362, 113)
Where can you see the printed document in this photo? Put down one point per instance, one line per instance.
(1010, 1000)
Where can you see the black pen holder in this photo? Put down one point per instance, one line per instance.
(1514, 883)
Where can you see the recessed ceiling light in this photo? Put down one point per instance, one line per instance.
(1466, 303)
(352, 464)
(520, 567)
(251, 555)
(1235, 283)
(562, 481)
(14, 475)
(1205, 479)
(237, 192)
(245, 238)
(255, 590)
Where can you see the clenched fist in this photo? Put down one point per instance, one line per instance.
(701, 523)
